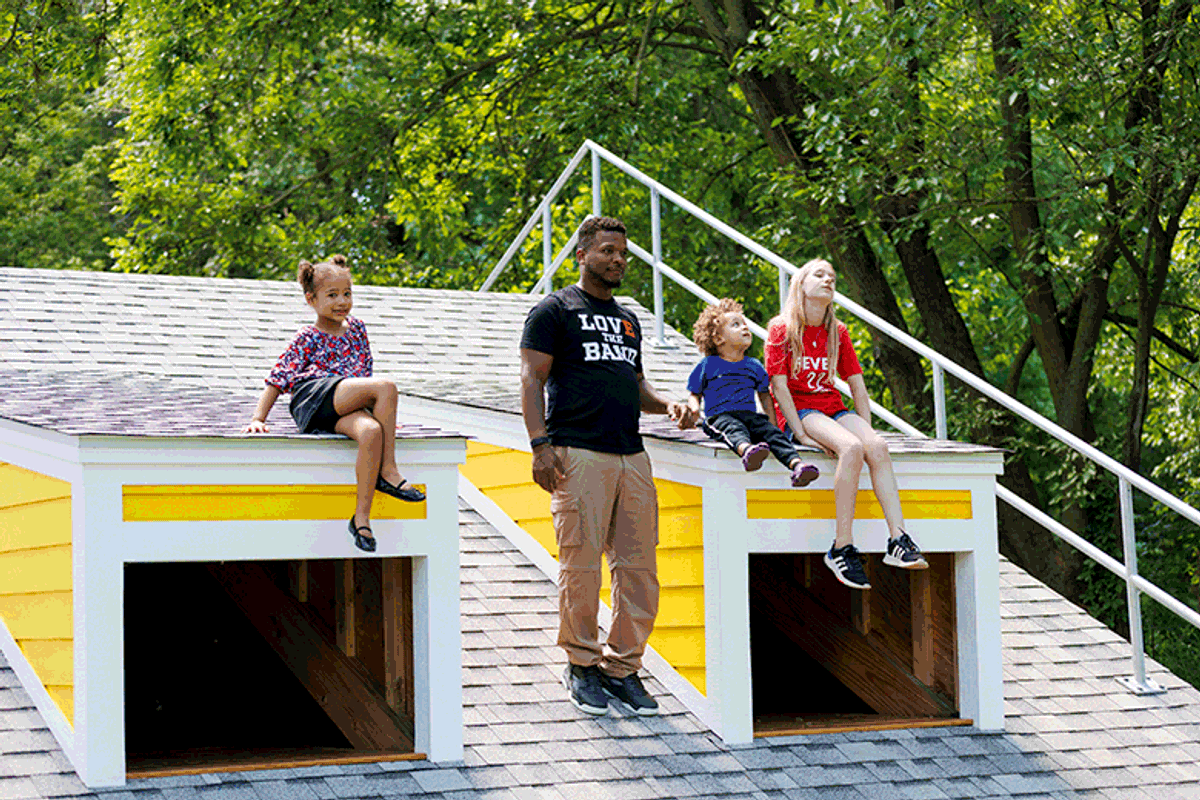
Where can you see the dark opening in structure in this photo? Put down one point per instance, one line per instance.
(238, 665)
(825, 657)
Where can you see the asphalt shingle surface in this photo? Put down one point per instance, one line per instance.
(204, 345)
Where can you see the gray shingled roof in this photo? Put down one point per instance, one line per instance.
(225, 334)
(1072, 731)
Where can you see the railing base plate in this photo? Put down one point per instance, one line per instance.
(1143, 689)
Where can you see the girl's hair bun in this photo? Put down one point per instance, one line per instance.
(307, 271)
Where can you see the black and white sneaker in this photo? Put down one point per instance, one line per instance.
(583, 687)
(629, 692)
(903, 552)
(846, 564)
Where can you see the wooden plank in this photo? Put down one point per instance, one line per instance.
(322, 590)
(397, 622)
(787, 725)
(346, 606)
(877, 677)
(945, 641)
(921, 594)
(298, 579)
(862, 600)
(370, 644)
(891, 622)
(338, 683)
(201, 761)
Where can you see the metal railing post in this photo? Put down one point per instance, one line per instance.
(1136, 683)
(656, 249)
(595, 183)
(784, 284)
(939, 401)
(547, 246)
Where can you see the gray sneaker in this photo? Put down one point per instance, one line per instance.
(903, 552)
(629, 692)
(583, 687)
(846, 564)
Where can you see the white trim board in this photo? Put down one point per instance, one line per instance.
(55, 719)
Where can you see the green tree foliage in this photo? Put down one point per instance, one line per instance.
(57, 140)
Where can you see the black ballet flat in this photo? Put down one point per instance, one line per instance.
(366, 543)
(404, 491)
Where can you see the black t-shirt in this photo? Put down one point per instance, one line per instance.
(592, 392)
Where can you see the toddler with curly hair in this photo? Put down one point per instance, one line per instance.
(727, 382)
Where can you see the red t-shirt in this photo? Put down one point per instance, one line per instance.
(811, 388)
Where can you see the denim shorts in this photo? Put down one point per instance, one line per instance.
(804, 412)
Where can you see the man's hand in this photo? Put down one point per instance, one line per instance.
(547, 467)
(684, 415)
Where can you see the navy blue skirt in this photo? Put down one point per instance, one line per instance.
(312, 405)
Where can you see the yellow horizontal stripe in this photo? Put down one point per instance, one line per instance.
(51, 659)
(64, 698)
(818, 504)
(255, 502)
(41, 524)
(36, 571)
(18, 486)
(38, 616)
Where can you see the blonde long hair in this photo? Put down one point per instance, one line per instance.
(792, 316)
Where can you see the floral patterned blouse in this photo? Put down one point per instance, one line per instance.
(314, 354)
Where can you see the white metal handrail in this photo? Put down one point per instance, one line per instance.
(1136, 585)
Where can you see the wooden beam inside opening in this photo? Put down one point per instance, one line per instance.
(298, 579)
(340, 684)
(921, 593)
(346, 606)
(398, 634)
(880, 678)
(860, 602)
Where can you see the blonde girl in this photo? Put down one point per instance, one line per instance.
(806, 347)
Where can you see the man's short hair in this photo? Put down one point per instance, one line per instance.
(591, 228)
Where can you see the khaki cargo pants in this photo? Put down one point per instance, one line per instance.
(606, 503)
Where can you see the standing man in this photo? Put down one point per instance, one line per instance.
(587, 352)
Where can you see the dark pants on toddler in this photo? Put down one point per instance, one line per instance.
(749, 427)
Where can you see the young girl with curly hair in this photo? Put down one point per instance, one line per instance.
(327, 369)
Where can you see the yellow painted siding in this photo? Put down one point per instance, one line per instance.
(255, 502)
(35, 576)
(818, 504)
(504, 477)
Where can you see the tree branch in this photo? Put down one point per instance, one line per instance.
(1123, 319)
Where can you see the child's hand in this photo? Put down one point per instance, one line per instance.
(256, 426)
(683, 414)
